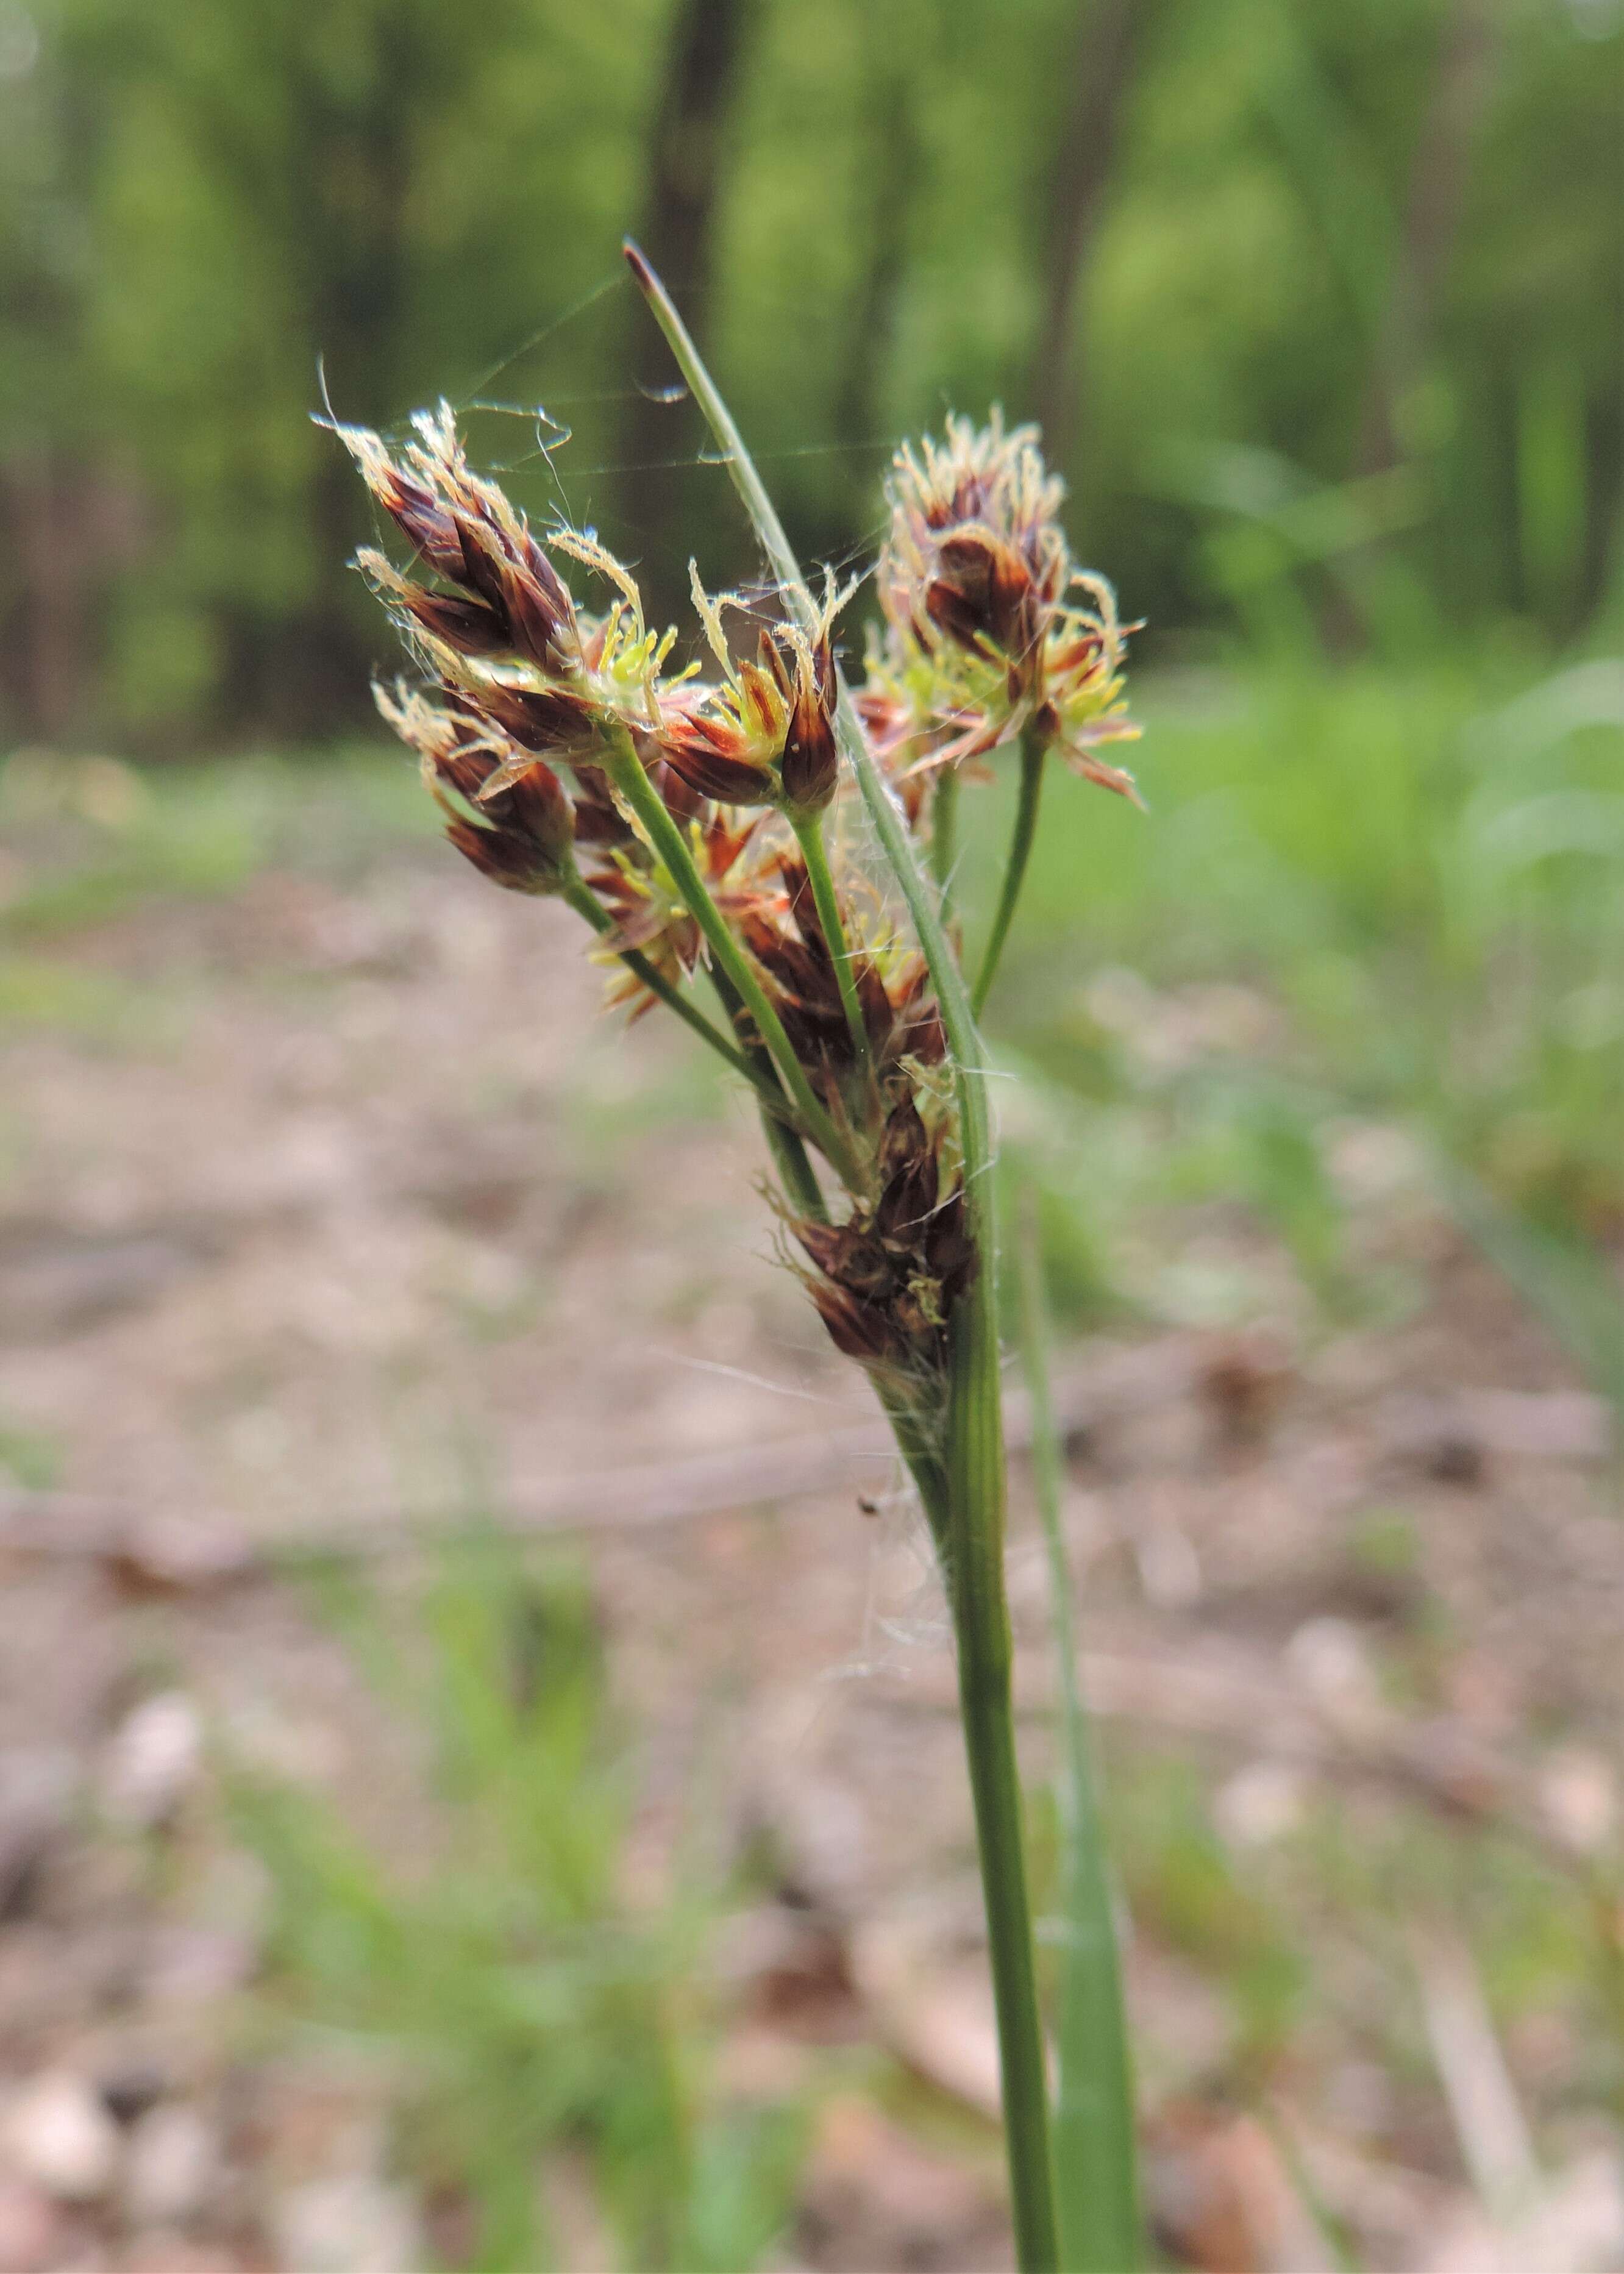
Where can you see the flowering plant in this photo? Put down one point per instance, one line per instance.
(702, 827)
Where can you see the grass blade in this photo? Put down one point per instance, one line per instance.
(974, 1471)
(1096, 2183)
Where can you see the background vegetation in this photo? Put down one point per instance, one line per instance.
(1328, 291)
(1321, 308)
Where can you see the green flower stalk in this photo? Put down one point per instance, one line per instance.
(693, 823)
(1095, 2152)
(981, 644)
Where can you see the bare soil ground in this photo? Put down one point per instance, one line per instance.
(331, 1203)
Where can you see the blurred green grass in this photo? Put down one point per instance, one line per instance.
(1371, 902)
(88, 838)
(1422, 870)
(1363, 898)
(537, 2012)
(1367, 938)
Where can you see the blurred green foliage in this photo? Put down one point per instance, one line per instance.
(1366, 946)
(1338, 326)
(1338, 399)
(538, 2015)
(1368, 941)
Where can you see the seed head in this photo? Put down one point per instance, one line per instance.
(510, 600)
(974, 555)
(650, 913)
(764, 734)
(785, 939)
(505, 809)
(810, 765)
(982, 639)
(885, 1282)
(552, 722)
(526, 674)
(1081, 707)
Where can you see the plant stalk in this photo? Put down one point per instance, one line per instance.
(1032, 755)
(977, 1486)
(945, 834)
(1096, 2179)
(918, 1443)
(800, 1179)
(808, 830)
(974, 1468)
(625, 769)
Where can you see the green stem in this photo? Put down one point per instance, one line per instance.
(919, 1445)
(1032, 753)
(809, 828)
(976, 1486)
(1095, 2150)
(944, 834)
(625, 769)
(974, 1463)
(798, 1176)
(585, 904)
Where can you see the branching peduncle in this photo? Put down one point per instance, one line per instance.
(1032, 756)
(788, 1152)
(808, 830)
(625, 770)
(973, 1462)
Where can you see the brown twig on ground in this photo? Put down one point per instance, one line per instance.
(180, 1553)
(1442, 1763)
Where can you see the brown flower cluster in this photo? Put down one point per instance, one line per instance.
(765, 734)
(887, 1279)
(523, 837)
(901, 1020)
(980, 641)
(685, 816)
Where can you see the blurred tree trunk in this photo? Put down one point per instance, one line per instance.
(679, 211)
(348, 245)
(1439, 174)
(1110, 36)
(66, 527)
(66, 522)
(317, 149)
(892, 154)
(51, 663)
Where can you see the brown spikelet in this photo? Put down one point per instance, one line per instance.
(886, 1281)
(552, 719)
(907, 1163)
(858, 1330)
(525, 838)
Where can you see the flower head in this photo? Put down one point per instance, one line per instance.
(508, 646)
(981, 640)
(974, 556)
(510, 600)
(1081, 705)
(650, 914)
(885, 1282)
(763, 734)
(521, 836)
(544, 729)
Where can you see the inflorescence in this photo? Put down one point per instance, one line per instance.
(684, 817)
